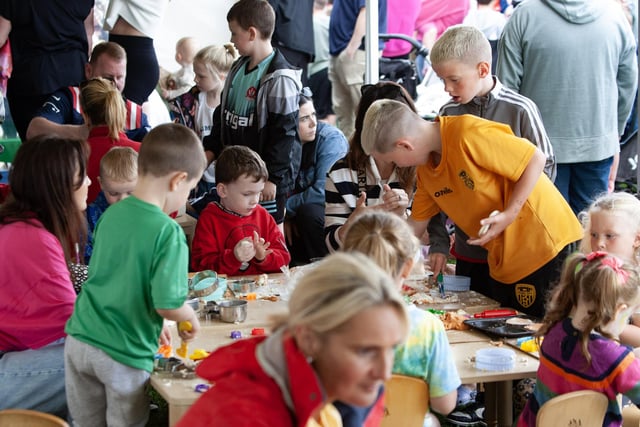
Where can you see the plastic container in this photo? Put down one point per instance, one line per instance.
(456, 283)
(495, 359)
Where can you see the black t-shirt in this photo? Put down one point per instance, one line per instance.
(48, 43)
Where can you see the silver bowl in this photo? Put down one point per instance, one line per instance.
(242, 286)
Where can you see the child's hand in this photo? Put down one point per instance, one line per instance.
(496, 224)
(269, 192)
(244, 250)
(165, 335)
(395, 200)
(189, 329)
(261, 247)
(361, 207)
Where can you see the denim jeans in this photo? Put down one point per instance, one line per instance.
(580, 183)
(34, 379)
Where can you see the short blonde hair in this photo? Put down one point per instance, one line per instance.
(617, 202)
(385, 238)
(216, 58)
(169, 148)
(339, 288)
(119, 164)
(463, 43)
(103, 104)
(385, 122)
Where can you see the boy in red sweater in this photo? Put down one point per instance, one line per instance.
(237, 236)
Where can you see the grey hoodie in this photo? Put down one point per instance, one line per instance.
(576, 59)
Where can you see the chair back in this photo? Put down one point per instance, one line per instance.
(406, 401)
(584, 408)
(29, 418)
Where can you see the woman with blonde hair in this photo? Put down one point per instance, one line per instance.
(337, 343)
(104, 112)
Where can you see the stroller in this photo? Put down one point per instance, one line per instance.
(403, 71)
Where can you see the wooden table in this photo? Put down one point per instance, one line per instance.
(498, 385)
(180, 395)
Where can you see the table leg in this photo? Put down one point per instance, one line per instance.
(491, 404)
(505, 403)
(498, 404)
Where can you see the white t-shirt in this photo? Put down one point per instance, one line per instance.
(204, 121)
(143, 15)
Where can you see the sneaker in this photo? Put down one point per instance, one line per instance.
(470, 415)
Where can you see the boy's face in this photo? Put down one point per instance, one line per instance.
(242, 195)
(400, 156)
(114, 191)
(241, 38)
(462, 81)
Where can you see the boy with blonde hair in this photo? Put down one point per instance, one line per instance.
(117, 180)
(236, 235)
(469, 167)
(137, 278)
(461, 57)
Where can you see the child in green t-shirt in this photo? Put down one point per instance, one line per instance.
(137, 278)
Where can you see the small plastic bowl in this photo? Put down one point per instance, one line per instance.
(456, 283)
(495, 359)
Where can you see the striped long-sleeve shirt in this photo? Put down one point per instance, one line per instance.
(341, 193)
(563, 368)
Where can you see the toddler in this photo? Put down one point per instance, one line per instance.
(137, 277)
(585, 315)
(236, 235)
(117, 179)
(179, 82)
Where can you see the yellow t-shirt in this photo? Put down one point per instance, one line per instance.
(480, 164)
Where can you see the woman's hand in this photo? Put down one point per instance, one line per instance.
(395, 200)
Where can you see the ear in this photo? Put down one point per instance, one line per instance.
(307, 340)
(176, 179)
(484, 69)
(222, 190)
(253, 33)
(636, 242)
(87, 71)
(404, 144)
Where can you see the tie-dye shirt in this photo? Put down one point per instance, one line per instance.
(427, 354)
(613, 370)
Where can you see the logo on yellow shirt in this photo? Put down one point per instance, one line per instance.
(468, 181)
(444, 191)
(525, 294)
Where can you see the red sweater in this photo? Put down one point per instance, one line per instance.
(100, 143)
(219, 230)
